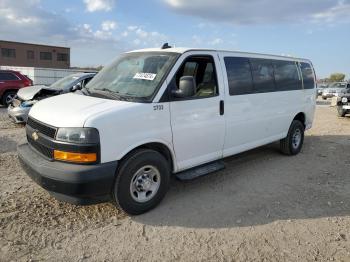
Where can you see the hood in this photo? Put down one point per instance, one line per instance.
(29, 92)
(72, 110)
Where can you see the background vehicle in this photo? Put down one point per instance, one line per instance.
(343, 102)
(320, 88)
(10, 83)
(334, 89)
(153, 113)
(19, 107)
(343, 90)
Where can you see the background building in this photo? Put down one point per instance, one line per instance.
(33, 55)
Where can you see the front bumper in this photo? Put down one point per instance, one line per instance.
(18, 114)
(76, 184)
(327, 95)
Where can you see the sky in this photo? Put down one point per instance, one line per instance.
(98, 30)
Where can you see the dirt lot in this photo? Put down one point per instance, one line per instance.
(263, 207)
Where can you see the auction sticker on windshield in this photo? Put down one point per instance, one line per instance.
(145, 76)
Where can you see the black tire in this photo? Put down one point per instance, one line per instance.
(288, 145)
(129, 167)
(324, 98)
(6, 96)
(341, 111)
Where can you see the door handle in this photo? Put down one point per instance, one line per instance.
(222, 107)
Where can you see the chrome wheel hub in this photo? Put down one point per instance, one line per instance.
(296, 138)
(9, 98)
(145, 184)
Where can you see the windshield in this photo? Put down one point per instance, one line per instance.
(133, 75)
(64, 82)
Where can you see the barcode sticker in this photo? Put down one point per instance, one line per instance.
(145, 76)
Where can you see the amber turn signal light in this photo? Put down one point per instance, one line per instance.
(75, 157)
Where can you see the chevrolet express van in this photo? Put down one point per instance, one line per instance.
(157, 112)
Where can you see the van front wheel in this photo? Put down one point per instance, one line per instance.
(292, 144)
(142, 181)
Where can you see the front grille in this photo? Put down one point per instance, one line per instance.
(41, 127)
(48, 152)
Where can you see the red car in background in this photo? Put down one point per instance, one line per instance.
(10, 82)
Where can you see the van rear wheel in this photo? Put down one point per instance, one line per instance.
(142, 181)
(292, 144)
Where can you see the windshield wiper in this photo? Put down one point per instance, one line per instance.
(111, 93)
(105, 89)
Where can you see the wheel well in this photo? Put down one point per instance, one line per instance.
(160, 148)
(300, 117)
(8, 90)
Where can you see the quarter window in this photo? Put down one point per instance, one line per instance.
(263, 77)
(286, 75)
(239, 75)
(308, 76)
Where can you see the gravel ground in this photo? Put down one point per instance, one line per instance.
(263, 207)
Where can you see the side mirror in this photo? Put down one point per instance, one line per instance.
(76, 87)
(187, 87)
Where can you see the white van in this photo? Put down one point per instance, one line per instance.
(157, 112)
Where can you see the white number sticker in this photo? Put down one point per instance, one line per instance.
(145, 76)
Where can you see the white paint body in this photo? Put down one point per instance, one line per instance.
(193, 130)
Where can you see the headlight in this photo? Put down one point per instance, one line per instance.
(28, 103)
(80, 135)
(344, 100)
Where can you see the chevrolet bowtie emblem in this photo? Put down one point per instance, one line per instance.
(35, 135)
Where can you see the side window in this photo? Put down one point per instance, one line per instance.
(8, 76)
(239, 75)
(308, 76)
(86, 81)
(190, 69)
(263, 77)
(208, 73)
(202, 68)
(286, 75)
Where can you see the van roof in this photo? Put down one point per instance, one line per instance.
(182, 50)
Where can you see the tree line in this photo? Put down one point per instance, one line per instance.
(335, 77)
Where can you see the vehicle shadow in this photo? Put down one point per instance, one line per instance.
(262, 186)
(7, 145)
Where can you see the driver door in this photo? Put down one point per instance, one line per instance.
(198, 126)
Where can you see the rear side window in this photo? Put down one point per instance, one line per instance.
(286, 75)
(263, 78)
(308, 76)
(8, 76)
(239, 75)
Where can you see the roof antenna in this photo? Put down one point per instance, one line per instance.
(166, 46)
